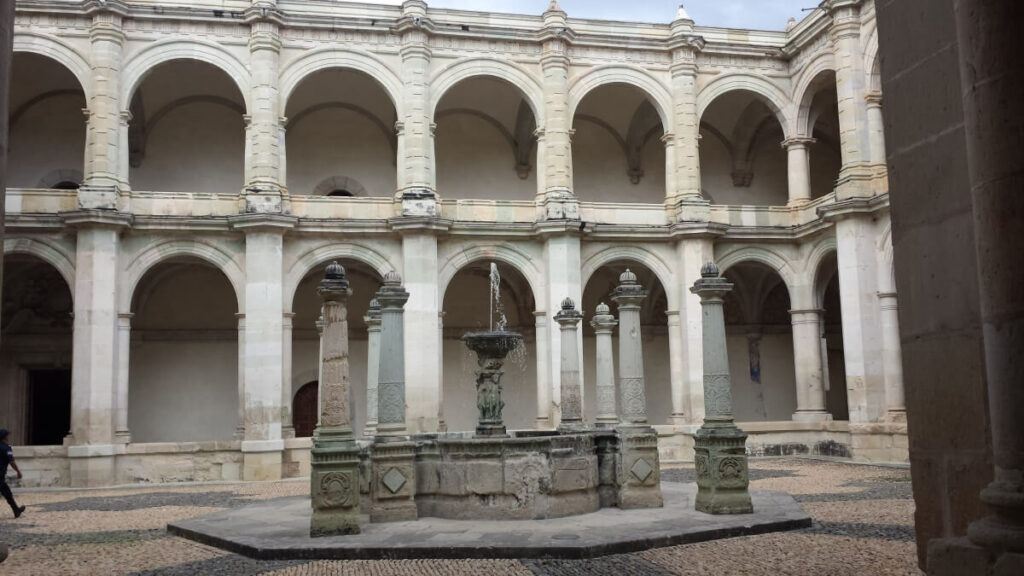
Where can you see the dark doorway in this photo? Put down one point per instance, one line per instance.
(304, 409)
(49, 406)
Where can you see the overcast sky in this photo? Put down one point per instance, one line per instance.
(758, 14)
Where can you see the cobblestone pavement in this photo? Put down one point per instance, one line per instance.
(863, 525)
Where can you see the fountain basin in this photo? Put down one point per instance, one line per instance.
(492, 344)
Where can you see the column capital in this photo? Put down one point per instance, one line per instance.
(415, 49)
(263, 11)
(873, 99)
(603, 322)
(373, 316)
(629, 293)
(568, 317)
(115, 7)
(711, 286)
(392, 296)
(92, 218)
(797, 142)
(334, 285)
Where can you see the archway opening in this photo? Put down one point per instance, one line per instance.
(617, 151)
(834, 360)
(47, 128)
(187, 130)
(825, 155)
(467, 306)
(35, 362)
(741, 157)
(341, 125)
(654, 336)
(759, 337)
(364, 282)
(306, 409)
(485, 143)
(183, 364)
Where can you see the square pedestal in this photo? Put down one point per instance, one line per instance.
(393, 482)
(723, 479)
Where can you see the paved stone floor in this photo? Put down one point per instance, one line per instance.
(863, 525)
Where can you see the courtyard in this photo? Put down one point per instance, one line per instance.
(863, 524)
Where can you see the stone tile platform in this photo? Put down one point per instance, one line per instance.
(279, 530)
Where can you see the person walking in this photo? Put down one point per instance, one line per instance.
(7, 458)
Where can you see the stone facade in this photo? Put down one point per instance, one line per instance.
(469, 138)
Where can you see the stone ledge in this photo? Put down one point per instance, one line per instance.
(279, 530)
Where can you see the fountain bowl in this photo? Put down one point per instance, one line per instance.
(492, 344)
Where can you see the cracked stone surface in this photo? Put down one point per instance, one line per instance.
(863, 525)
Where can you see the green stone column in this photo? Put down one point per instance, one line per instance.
(720, 447)
(334, 482)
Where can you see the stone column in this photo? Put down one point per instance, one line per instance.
(334, 482)
(720, 447)
(417, 182)
(391, 374)
(422, 326)
(798, 169)
(265, 158)
(568, 319)
(810, 385)
(373, 321)
(604, 324)
(124, 342)
(104, 175)
(319, 367)
(543, 370)
(685, 199)
(850, 90)
(677, 383)
(240, 416)
(264, 336)
(287, 429)
(876, 130)
(562, 266)
(555, 179)
(892, 360)
(691, 253)
(633, 403)
(94, 364)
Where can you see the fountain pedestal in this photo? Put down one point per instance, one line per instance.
(491, 349)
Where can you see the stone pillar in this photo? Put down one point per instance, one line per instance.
(991, 82)
(685, 199)
(94, 364)
(422, 327)
(104, 175)
(391, 374)
(240, 416)
(604, 324)
(850, 89)
(287, 429)
(373, 320)
(633, 403)
(562, 265)
(798, 169)
(570, 385)
(676, 368)
(876, 130)
(543, 371)
(264, 336)
(264, 182)
(809, 371)
(124, 342)
(334, 482)
(896, 407)
(691, 253)
(417, 183)
(720, 447)
(555, 179)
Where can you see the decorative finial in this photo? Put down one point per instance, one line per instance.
(603, 309)
(627, 277)
(334, 271)
(790, 24)
(553, 6)
(709, 270)
(681, 13)
(392, 279)
(568, 304)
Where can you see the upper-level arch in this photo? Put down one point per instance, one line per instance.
(315, 257)
(138, 65)
(808, 84)
(443, 80)
(765, 256)
(59, 51)
(47, 251)
(658, 94)
(649, 259)
(511, 255)
(159, 252)
(338, 56)
(772, 95)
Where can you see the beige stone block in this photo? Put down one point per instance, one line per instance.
(261, 466)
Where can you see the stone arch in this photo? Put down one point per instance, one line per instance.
(338, 56)
(658, 94)
(325, 253)
(54, 177)
(635, 253)
(771, 94)
(510, 255)
(60, 52)
(765, 256)
(143, 62)
(812, 269)
(805, 91)
(446, 78)
(333, 183)
(160, 251)
(48, 252)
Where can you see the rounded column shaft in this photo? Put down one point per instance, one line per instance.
(810, 389)
(568, 319)
(604, 324)
(629, 295)
(373, 329)
(391, 372)
(798, 170)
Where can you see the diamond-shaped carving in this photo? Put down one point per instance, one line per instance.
(393, 480)
(641, 469)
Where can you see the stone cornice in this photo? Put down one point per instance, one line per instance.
(419, 224)
(852, 207)
(108, 6)
(97, 219)
(263, 222)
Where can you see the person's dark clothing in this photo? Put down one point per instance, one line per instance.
(6, 456)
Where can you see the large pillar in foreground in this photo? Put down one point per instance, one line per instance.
(568, 319)
(720, 446)
(334, 481)
(422, 326)
(633, 405)
(604, 324)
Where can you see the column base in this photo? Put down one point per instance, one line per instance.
(92, 465)
(961, 557)
(542, 423)
(896, 415)
(606, 423)
(122, 437)
(723, 478)
(571, 427)
(639, 469)
(811, 416)
(1004, 529)
(262, 460)
(393, 484)
(334, 487)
